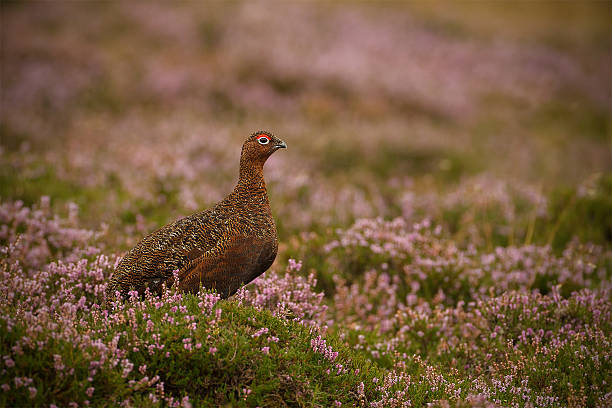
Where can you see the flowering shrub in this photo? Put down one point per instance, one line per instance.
(401, 262)
(55, 330)
(391, 339)
(32, 236)
(290, 296)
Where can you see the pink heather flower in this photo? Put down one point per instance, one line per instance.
(209, 300)
(259, 332)
(9, 362)
(59, 366)
(127, 366)
(319, 346)
(212, 350)
(246, 392)
(198, 346)
(338, 403)
(294, 266)
(265, 350)
(361, 389)
(90, 391)
(5, 387)
(32, 391)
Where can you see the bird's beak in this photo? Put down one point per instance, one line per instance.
(281, 145)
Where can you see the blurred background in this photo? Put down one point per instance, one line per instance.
(491, 118)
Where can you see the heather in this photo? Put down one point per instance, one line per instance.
(444, 207)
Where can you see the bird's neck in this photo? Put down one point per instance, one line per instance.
(251, 179)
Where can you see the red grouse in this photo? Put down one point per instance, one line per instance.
(221, 248)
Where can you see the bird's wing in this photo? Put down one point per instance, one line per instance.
(151, 262)
(225, 267)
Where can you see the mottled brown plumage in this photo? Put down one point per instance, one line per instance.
(221, 248)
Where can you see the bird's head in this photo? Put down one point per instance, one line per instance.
(259, 146)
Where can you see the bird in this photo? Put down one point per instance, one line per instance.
(221, 248)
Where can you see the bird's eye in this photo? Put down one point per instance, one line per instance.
(263, 140)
